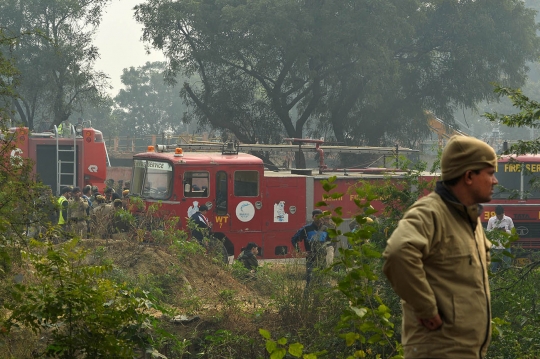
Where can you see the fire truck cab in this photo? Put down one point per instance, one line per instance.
(241, 200)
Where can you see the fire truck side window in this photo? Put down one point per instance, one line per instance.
(221, 193)
(137, 179)
(246, 183)
(196, 184)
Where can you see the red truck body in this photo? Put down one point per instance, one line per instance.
(519, 195)
(77, 161)
(246, 203)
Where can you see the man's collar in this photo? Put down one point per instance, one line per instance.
(472, 212)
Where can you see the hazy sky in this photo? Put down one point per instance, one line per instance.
(118, 40)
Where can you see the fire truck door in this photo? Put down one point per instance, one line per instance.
(245, 202)
(221, 209)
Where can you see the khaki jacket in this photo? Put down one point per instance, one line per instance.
(436, 261)
(77, 209)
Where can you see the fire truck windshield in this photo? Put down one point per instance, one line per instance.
(152, 179)
(517, 182)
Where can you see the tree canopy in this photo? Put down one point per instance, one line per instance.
(362, 72)
(56, 63)
(147, 105)
(8, 74)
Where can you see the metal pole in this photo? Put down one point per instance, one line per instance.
(75, 159)
(57, 163)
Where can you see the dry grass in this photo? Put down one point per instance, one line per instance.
(196, 285)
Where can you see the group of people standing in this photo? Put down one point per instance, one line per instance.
(319, 247)
(87, 211)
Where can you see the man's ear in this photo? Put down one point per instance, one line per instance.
(468, 176)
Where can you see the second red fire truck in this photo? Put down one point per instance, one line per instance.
(76, 160)
(519, 194)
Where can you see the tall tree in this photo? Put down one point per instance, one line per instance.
(277, 51)
(340, 62)
(56, 66)
(8, 75)
(148, 105)
(449, 57)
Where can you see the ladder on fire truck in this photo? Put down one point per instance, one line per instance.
(298, 146)
(215, 146)
(63, 166)
(442, 130)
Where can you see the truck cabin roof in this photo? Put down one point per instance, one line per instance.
(202, 158)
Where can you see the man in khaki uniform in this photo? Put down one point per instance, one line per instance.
(101, 218)
(437, 259)
(77, 213)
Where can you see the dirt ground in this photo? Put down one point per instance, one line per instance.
(202, 294)
(199, 286)
(206, 278)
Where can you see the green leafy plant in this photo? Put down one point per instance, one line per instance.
(366, 322)
(80, 311)
(278, 349)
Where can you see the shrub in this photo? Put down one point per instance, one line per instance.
(79, 311)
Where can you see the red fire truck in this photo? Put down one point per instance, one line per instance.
(519, 196)
(246, 203)
(77, 160)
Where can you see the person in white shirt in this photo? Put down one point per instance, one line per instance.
(504, 223)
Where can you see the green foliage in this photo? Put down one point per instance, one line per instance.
(212, 245)
(81, 312)
(505, 239)
(396, 193)
(334, 68)
(184, 248)
(151, 224)
(224, 343)
(56, 61)
(239, 271)
(279, 349)
(190, 302)
(226, 297)
(365, 323)
(8, 75)
(147, 105)
(20, 200)
(515, 312)
(528, 115)
(514, 289)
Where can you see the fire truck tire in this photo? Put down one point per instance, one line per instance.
(226, 242)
